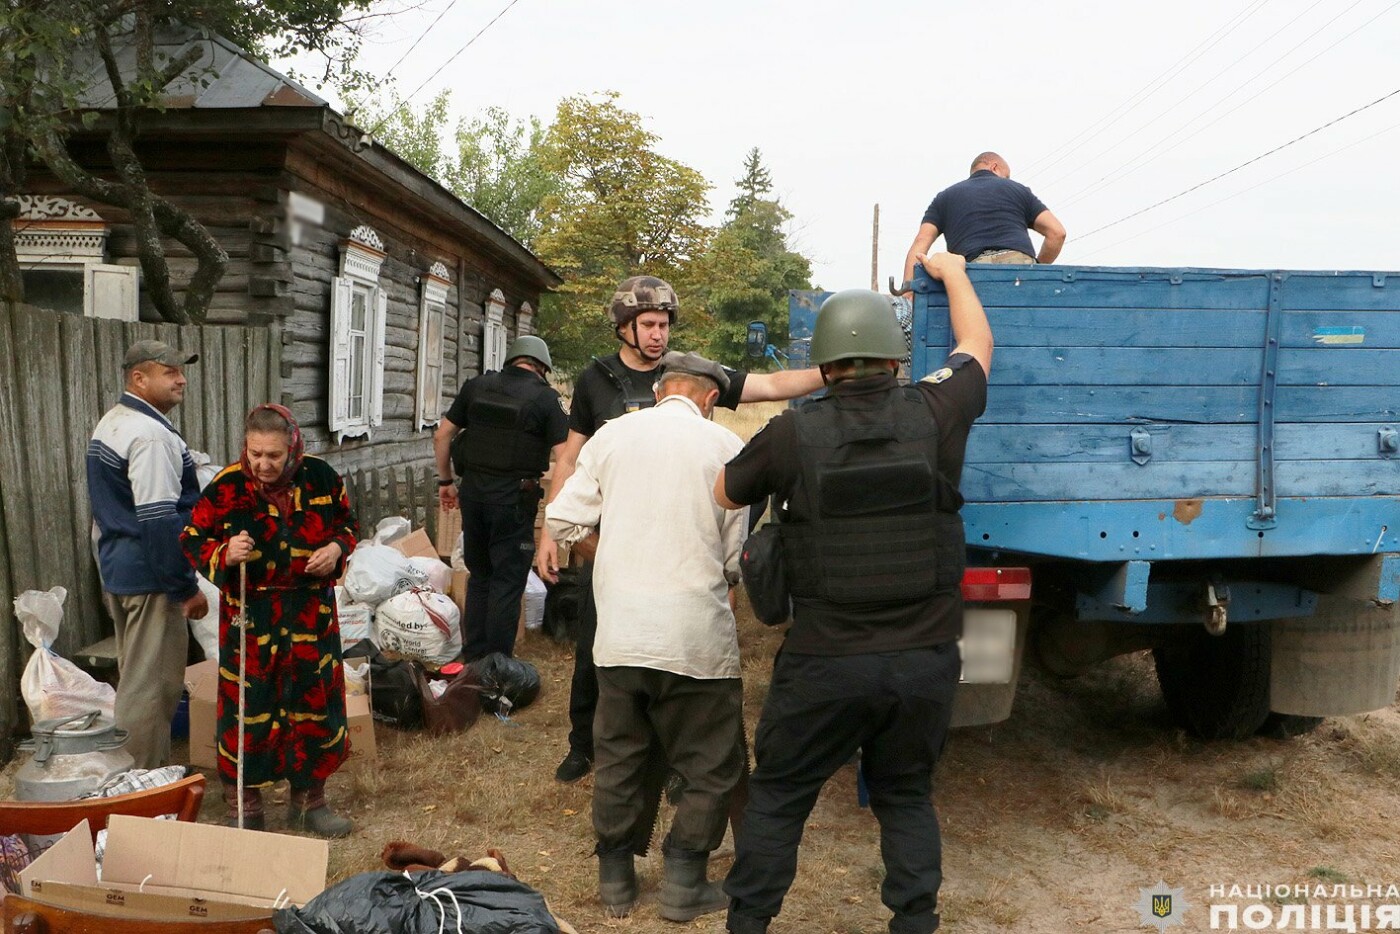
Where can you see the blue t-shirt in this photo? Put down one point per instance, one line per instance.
(985, 212)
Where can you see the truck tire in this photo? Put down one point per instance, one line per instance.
(1217, 687)
(1288, 725)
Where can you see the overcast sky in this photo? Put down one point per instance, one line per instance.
(1103, 108)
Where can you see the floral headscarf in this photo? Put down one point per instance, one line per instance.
(279, 492)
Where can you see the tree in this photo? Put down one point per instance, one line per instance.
(621, 209)
(749, 268)
(46, 47)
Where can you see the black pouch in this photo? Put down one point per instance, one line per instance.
(761, 564)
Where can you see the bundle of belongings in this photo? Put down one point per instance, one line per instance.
(427, 893)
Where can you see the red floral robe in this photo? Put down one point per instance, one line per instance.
(294, 699)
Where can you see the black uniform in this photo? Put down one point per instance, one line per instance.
(509, 422)
(605, 389)
(866, 480)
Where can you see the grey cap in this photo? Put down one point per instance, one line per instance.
(157, 352)
(695, 365)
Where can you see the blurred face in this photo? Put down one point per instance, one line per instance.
(653, 333)
(267, 453)
(160, 385)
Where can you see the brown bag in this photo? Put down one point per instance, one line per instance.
(457, 708)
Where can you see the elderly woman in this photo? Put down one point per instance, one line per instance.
(286, 517)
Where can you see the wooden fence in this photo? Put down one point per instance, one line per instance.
(409, 491)
(58, 374)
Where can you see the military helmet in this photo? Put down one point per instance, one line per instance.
(855, 324)
(528, 345)
(643, 293)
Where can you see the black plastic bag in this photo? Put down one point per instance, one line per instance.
(564, 604)
(394, 687)
(422, 903)
(761, 564)
(507, 684)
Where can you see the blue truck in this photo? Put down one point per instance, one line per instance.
(1204, 463)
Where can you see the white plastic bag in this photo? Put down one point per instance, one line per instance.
(206, 629)
(375, 573)
(51, 685)
(535, 594)
(204, 468)
(356, 619)
(391, 529)
(421, 625)
(439, 574)
(356, 677)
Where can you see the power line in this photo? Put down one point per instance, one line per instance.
(1242, 165)
(1242, 191)
(1148, 89)
(421, 37)
(1157, 149)
(439, 70)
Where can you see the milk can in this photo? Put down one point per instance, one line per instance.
(72, 756)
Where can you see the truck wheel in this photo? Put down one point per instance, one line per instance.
(1288, 725)
(1217, 687)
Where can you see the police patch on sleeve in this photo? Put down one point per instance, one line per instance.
(956, 362)
(938, 376)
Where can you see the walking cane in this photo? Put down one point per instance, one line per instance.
(242, 624)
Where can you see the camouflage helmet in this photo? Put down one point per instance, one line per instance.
(856, 324)
(528, 345)
(643, 293)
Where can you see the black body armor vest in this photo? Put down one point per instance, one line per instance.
(630, 397)
(871, 520)
(496, 439)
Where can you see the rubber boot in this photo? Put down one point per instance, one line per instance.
(253, 817)
(685, 894)
(307, 810)
(743, 924)
(617, 884)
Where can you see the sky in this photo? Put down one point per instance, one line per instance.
(1102, 108)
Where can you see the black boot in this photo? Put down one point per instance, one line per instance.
(685, 895)
(617, 884)
(253, 818)
(743, 924)
(307, 810)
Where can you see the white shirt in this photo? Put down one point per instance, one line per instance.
(667, 552)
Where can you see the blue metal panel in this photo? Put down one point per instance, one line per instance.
(1182, 601)
(1389, 589)
(1119, 530)
(1125, 588)
(1265, 492)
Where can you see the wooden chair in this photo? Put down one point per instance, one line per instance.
(181, 798)
(26, 916)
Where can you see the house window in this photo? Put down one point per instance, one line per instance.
(432, 310)
(61, 247)
(525, 320)
(493, 339)
(359, 308)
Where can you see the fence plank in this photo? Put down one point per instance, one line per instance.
(221, 405)
(9, 629)
(83, 614)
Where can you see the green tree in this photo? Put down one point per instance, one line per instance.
(47, 48)
(621, 209)
(747, 272)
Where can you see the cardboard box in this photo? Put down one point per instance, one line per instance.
(449, 531)
(416, 545)
(202, 683)
(164, 869)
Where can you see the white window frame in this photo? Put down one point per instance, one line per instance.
(493, 336)
(57, 234)
(357, 351)
(432, 319)
(525, 320)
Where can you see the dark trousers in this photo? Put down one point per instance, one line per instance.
(583, 687)
(498, 545)
(894, 708)
(699, 724)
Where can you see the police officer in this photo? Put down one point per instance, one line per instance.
(873, 548)
(643, 310)
(498, 436)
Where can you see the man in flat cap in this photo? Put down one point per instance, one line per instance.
(142, 484)
(666, 651)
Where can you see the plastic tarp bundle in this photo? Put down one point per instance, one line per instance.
(52, 686)
(429, 902)
(507, 683)
(375, 573)
(420, 624)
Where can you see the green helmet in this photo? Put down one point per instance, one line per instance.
(528, 345)
(855, 324)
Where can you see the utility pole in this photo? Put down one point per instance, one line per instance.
(875, 251)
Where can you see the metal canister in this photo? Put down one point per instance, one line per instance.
(72, 756)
